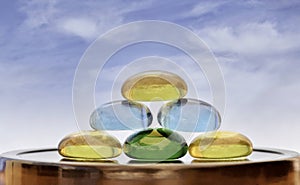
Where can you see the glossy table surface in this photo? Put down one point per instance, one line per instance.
(47, 167)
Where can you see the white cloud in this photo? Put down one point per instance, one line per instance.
(249, 39)
(38, 12)
(204, 8)
(84, 28)
(89, 27)
(274, 6)
(87, 20)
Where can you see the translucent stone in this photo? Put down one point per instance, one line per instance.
(189, 115)
(220, 145)
(121, 115)
(90, 145)
(154, 86)
(155, 144)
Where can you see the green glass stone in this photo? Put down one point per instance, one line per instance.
(155, 144)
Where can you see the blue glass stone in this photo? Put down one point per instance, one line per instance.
(121, 115)
(189, 115)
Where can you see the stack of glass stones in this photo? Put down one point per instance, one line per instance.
(163, 143)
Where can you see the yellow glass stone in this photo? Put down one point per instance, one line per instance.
(90, 145)
(220, 145)
(154, 86)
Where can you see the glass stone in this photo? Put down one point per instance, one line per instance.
(121, 115)
(220, 145)
(155, 144)
(90, 145)
(189, 115)
(154, 86)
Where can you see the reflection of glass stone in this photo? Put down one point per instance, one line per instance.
(90, 145)
(154, 86)
(121, 115)
(220, 145)
(83, 160)
(189, 115)
(171, 161)
(155, 144)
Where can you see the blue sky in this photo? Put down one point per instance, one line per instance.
(255, 42)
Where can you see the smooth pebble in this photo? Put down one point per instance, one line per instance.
(90, 145)
(121, 115)
(189, 115)
(154, 86)
(220, 145)
(155, 144)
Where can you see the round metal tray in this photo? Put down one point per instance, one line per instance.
(46, 167)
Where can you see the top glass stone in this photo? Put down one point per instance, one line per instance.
(189, 115)
(154, 86)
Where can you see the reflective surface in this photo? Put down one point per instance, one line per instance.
(44, 167)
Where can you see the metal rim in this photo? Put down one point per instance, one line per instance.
(15, 156)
